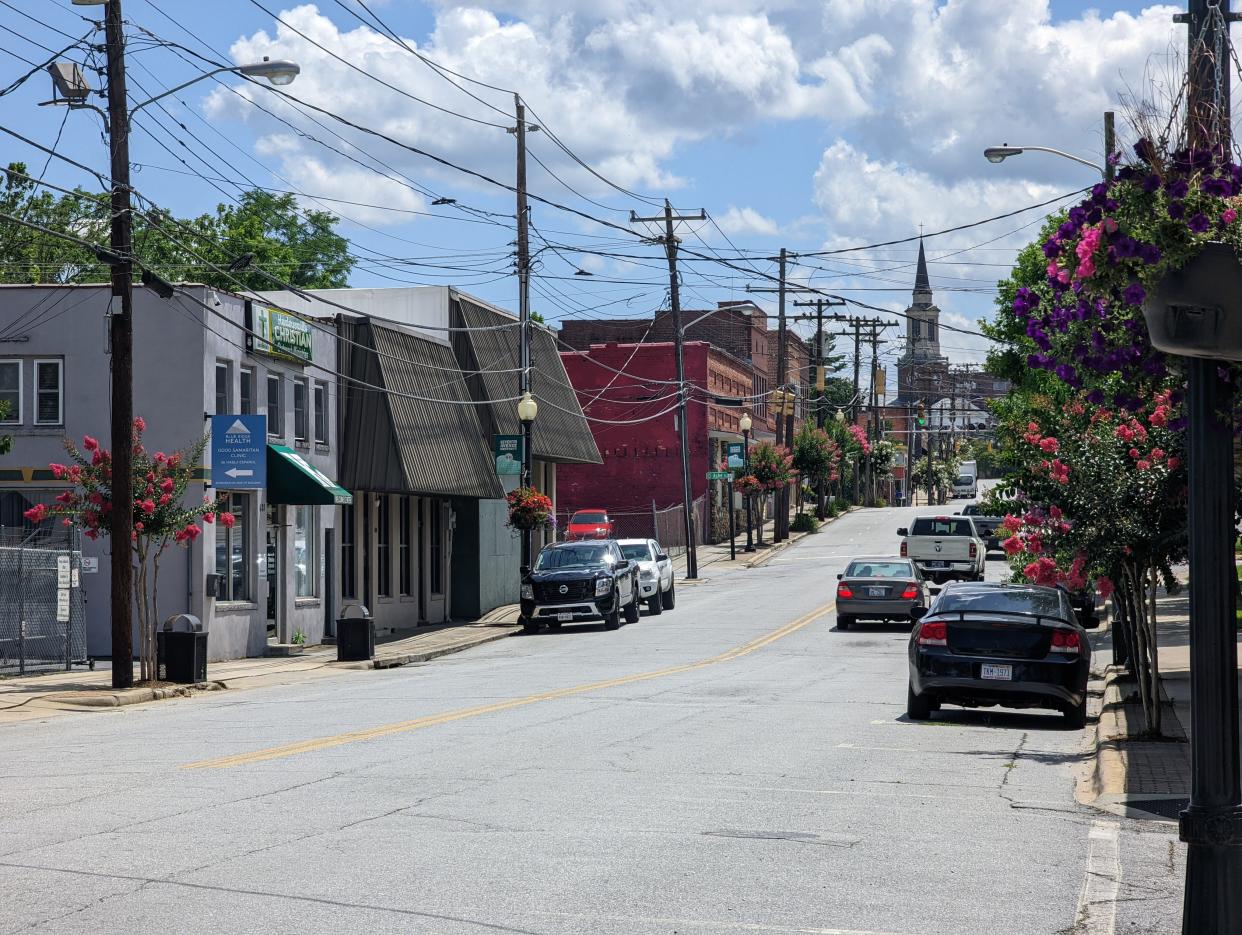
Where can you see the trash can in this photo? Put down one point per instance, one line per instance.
(355, 634)
(181, 650)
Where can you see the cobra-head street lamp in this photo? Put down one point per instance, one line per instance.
(1004, 151)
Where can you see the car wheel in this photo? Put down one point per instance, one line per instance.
(844, 621)
(918, 707)
(655, 605)
(612, 621)
(631, 609)
(669, 597)
(529, 626)
(1076, 716)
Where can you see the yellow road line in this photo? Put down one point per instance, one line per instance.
(433, 720)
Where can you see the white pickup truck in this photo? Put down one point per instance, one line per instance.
(945, 547)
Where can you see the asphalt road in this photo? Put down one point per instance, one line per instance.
(736, 765)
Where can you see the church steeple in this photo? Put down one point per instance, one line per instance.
(922, 282)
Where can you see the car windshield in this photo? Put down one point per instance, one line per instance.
(1042, 601)
(589, 518)
(637, 552)
(965, 480)
(973, 510)
(941, 526)
(879, 570)
(582, 556)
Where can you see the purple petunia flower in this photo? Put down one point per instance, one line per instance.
(1177, 210)
(1199, 223)
(1178, 188)
(1151, 183)
(1149, 253)
(1095, 397)
(1134, 294)
(1218, 187)
(1052, 248)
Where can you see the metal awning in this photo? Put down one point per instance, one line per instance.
(291, 479)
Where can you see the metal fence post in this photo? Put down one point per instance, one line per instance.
(21, 611)
(655, 522)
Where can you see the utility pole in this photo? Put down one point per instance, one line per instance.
(875, 326)
(820, 376)
(670, 249)
(931, 466)
(121, 523)
(1212, 825)
(523, 271)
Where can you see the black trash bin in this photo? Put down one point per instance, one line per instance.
(355, 634)
(181, 650)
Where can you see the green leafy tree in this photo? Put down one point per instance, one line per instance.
(265, 239)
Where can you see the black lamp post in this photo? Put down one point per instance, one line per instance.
(744, 424)
(527, 410)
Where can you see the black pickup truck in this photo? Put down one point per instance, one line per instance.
(573, 582)
(987, 526)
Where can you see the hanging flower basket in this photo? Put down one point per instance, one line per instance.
(529, 509)
(1196, 311)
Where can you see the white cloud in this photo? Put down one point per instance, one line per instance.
(747, 221)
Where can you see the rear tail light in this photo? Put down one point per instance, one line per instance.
(843, 590)
(974, 550)
(910, 593)
(903, 548)
(1066, 641)
(933, 633)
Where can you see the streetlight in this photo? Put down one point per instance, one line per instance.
(69, 81)
(745, 424)
(1003, 152)
(527, 410)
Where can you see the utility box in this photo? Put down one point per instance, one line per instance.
(355, 634)
(181, 650)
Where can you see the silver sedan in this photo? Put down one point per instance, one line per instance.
(887, 588)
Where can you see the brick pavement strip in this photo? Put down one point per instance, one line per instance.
(31, 697)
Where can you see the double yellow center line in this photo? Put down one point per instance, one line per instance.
(433, 720)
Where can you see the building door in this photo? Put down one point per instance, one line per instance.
(435, 572)
(272, 571)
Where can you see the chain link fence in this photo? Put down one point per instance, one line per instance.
(42, 604)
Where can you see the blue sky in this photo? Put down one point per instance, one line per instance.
(809, 124)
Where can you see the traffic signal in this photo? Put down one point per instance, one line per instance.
(922, 415)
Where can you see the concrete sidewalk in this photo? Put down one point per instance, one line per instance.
(40, 696)
(1148, 778)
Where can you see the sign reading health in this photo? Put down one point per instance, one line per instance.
(239, 452)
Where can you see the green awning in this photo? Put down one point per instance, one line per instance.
(293, 480)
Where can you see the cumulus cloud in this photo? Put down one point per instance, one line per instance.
(747, 221)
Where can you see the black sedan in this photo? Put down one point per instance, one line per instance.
(879, 589)
(1012, 645)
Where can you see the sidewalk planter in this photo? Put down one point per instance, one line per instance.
(181, 650)
(355, 634)
(1197, 310)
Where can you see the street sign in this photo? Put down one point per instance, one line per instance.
(90, 565)
(62, 571)
(507, 450)
(735, 454)
(62, 605)
(239, 452)
(718, 475)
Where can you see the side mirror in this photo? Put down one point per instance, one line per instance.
(903, 531)
(839, 577)
(623, 565)
(918, 613)
(662, 557)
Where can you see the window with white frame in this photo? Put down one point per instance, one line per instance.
(11, 391)
(300, 403)
(305, 553)
(321, 412)
(275, 405)
(247, 390)
(224, 387)
(49, 392)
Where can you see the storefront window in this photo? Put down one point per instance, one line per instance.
(349, 586)
(233, 549)
(403, 549)
(383, 551)
(305, 552)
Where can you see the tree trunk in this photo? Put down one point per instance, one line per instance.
(1154, 662)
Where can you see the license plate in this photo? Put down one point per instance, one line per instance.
(564, 618)
(876, 592)
(1002, 673)
(936, 564)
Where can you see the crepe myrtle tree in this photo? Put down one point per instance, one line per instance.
(1101, 496)
(816, 458)
(161, 518)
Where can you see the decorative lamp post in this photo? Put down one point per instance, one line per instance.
(527, 410)
(744, 424)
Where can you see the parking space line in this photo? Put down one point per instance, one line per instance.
(433, 720)
(1097, 902)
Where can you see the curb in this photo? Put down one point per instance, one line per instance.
(404, 659)
(132, 696)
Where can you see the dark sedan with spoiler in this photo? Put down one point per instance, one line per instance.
(1012, 645)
